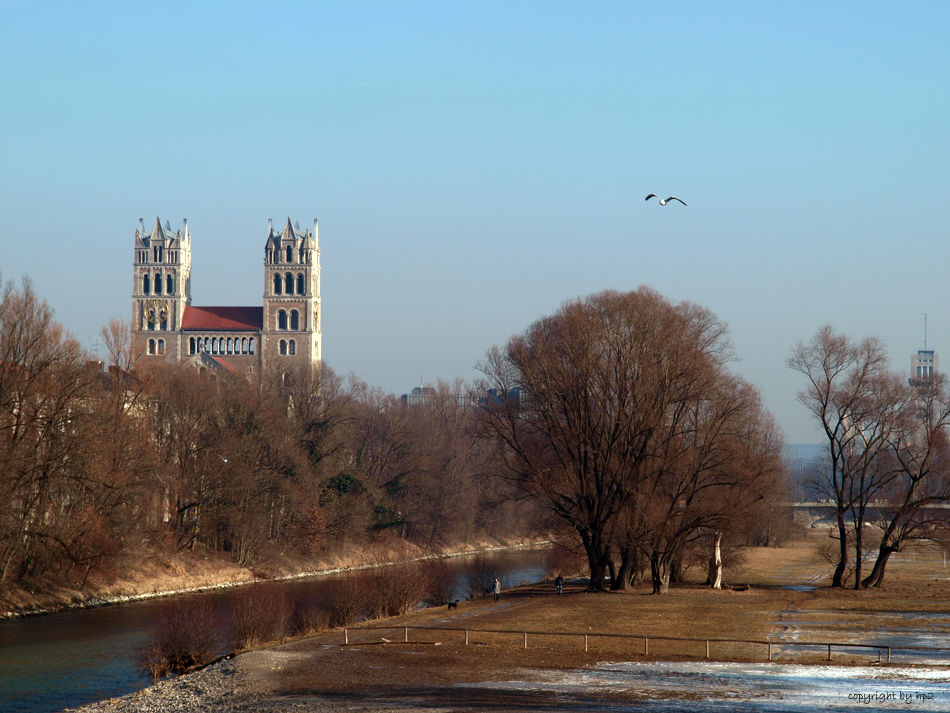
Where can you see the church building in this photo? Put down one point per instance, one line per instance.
(283, 330)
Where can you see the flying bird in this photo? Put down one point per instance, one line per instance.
(664, 202)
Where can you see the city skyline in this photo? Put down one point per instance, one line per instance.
(472, 168)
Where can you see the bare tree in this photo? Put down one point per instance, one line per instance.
(919, 456)
(45, 385)
(721, 451)
(846, 392)
(601, 410)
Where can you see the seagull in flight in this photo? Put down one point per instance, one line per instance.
(664, 202)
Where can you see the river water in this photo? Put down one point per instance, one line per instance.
(62, 660)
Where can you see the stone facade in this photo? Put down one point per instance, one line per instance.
(284, 330)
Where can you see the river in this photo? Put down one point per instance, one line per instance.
(48, 663)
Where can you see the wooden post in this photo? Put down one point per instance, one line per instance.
(888, 654)
(646, 646)
(466, 637)
(829, 652)
(585, 642)
(346, 636)
(526, 639)
(707, 648)
(770, 651)
(406, 639)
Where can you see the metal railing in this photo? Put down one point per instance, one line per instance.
(884, 651)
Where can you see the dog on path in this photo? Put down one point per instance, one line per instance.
(454, 605)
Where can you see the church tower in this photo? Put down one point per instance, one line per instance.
(161, 290)
(291, 325)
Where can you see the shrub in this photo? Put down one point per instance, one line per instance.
(309, 617)
(565, 561)
(480, 572)
(344, 600)
(185, 636)
(441, 582)
(394, 590)
(260, 614)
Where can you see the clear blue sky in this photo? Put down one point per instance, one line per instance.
(474, 165)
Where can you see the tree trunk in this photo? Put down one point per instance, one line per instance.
(629, 566)
(838, 579)
(858, 543)
(876, 578)
(660, 573)
(715, 564)
(597, 557)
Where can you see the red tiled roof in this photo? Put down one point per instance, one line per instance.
(225, 365)
(222, 318)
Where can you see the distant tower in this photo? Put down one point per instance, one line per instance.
(291, 296)
(925, 363)
(162, 288)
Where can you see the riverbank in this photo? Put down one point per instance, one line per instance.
(501, 668)
(153, 574)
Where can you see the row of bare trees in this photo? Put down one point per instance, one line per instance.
(97, 464)
(619, 414)
(887, 465)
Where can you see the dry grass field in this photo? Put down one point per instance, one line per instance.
(784, 585)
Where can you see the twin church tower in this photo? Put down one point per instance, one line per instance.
(282, 332)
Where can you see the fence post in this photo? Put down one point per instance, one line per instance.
(406, 638)
(770, 651)
(646, 646)
(466, 637)
(829, 652)
(707, 648)
(526, 639)
(346, 636)
(888, 654)
(585, 642)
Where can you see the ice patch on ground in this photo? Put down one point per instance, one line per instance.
(765, 688)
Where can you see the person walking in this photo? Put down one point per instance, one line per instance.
(496, 588)
(559, 583)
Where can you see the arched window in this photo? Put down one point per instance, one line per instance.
(146, 284)
(290, 254)
(294, 319)
(289, 284)
(230, 346)
(250, 345)
(281, 320)
(191, 345)
(151, 346)
(293, 348)
(169, 285)
(158, 284)
(214, 345)
(207, 346)
(161, 346)
(243, 345)
(301, 290)
(283, 347)
(277, 283)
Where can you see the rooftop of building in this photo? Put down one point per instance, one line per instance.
(222, 319)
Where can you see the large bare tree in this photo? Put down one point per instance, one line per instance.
(612, 413)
